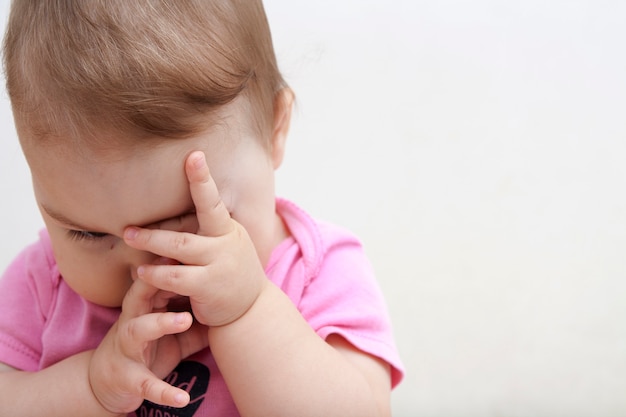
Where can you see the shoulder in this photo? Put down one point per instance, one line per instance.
(329, 258)
(30, 287)
(33, 271)
(315, 251)
(316, 238)
(341, 295)
(35, 259)
(319, 239)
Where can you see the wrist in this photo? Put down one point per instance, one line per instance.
(104, 411)
(245, 305)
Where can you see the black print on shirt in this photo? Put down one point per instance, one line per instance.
(190, 376)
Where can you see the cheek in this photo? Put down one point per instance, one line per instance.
(98, 279)
(254, 209)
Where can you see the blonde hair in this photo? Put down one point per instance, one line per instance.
(153, 68)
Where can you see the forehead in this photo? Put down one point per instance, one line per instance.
(108, 194)
(123, 185)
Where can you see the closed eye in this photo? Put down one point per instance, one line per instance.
(79, 235)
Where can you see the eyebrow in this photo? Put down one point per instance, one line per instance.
(62, 219)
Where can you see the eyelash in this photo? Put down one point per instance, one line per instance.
(84, 235)
(80, 235)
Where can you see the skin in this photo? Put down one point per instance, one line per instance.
(156, 224)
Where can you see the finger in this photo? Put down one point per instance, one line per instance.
(153, 326)
(162, 300)
(179, 346)
(184, 280)
(193, 340)
(185, 223)
(138, 299)
(186, 248)
(212, 214)
(160, 392)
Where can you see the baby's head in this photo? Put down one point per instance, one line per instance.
(146, 68)
(110, 97)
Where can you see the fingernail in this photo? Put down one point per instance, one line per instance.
(180, 398)
(198, 160)
(131, 233)
(140, 271)
(180, 318)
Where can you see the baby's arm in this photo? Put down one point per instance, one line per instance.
(287, 362)
(60, 390)
(273, 362)
(142, 347)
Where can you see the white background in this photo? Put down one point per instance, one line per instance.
(478, 149)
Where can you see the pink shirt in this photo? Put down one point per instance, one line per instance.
(321, 267)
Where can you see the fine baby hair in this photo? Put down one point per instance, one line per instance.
(160, 66)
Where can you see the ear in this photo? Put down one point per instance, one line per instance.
(283, 106)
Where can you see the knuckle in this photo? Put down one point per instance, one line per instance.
(178, 242)
(147, 388)
(218, 204)
(172, 275)
(129, 330)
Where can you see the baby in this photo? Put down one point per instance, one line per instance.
(170, 280)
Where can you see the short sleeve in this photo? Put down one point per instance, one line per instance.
(344, 298)
(27, 288)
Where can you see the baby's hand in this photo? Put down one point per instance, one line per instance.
(220, 272)
(142, 347)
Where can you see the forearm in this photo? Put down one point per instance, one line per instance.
(275, 364)
(60, 390)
